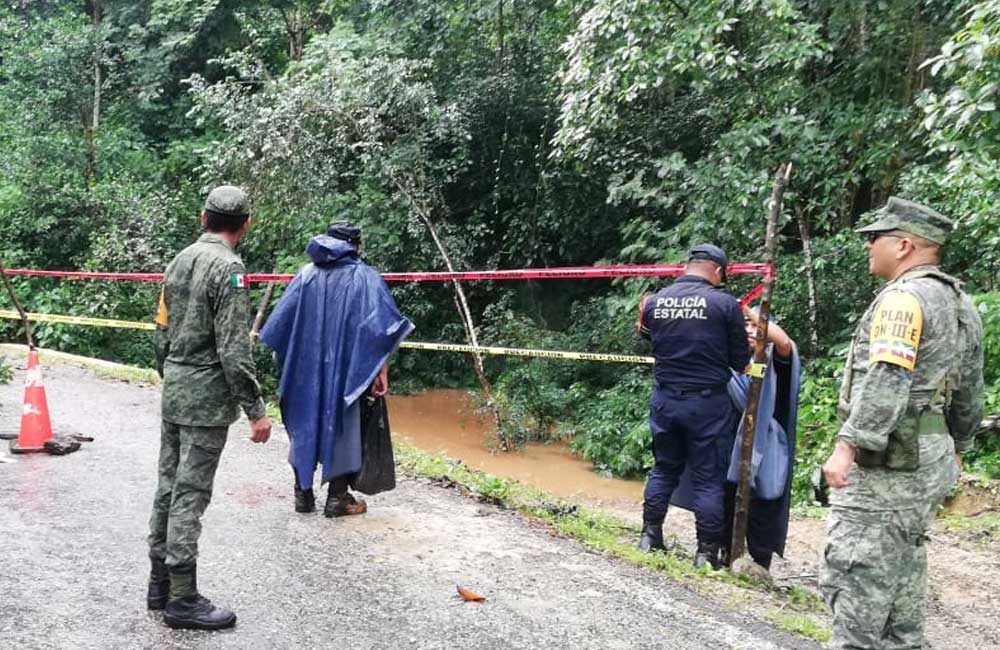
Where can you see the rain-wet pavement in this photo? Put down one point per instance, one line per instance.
(73, 566)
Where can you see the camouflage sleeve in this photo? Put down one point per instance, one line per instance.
(876, 406)
(232, 340)
(967, 394)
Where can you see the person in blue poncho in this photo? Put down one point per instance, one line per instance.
(773, 458)
(774, 448)
(332, 334)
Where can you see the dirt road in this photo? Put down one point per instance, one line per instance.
(73, 567)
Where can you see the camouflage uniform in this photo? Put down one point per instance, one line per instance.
(203, 352)
(912, 377)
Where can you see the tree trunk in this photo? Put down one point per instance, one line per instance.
(738, 548)
(500, 30)
(17, 305)
(810, 279)
(295, 28)
(461, 305)
(98, 55)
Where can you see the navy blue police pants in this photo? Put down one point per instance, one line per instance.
(690, 429)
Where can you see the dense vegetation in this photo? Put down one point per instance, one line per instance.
(523, 133)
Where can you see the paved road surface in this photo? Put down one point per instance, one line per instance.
(73, 565)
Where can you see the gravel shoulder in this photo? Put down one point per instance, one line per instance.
(74, 567)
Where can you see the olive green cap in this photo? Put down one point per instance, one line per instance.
(911, 217)
(228, 200)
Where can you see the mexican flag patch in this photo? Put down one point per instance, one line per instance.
(238, 281)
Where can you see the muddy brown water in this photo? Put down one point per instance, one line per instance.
(445, 421)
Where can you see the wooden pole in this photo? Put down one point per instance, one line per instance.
(258, 320)
(738, 547)
(17, 306)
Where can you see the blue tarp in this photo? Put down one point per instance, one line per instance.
(773, 458)
(332, 330)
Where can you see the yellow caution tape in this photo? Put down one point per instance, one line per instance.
(757, 370)
(413, 345)
(522, 352)
(79, 320)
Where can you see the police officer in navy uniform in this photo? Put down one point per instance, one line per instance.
(697, 333)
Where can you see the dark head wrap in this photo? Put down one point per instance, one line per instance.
(346, 231)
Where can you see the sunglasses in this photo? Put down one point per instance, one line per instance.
(875, 236)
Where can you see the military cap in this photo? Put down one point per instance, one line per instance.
(228, 200)
(346, 231)
(911, 217)
(709, 252)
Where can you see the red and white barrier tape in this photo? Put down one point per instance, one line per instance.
(567, 272)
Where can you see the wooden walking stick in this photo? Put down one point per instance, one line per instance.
(738, 545)
(17, 306)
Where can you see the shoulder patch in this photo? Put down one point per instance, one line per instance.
(162, 318)
(896, 329)
(238, 281)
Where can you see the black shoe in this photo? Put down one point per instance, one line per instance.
(197, 613)
(708, 554)
(305, 500)
(343, 505)
(652, 538)
(159, 584)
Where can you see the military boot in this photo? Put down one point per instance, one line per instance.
(708, 553)
(305, 500)
(652, 537)
(159, 584)
(189, 610)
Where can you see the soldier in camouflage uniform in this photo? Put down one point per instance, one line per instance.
(911, 401)
(203, 353)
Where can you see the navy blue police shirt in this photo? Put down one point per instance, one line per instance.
(697, 334)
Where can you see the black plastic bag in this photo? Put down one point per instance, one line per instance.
(378, 467)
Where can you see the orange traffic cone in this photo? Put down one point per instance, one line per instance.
(36, 427)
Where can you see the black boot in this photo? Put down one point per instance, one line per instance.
(708, 553)
(652, 537)
(159, 584)
(305, 500)
(340, 502)
(189, 610)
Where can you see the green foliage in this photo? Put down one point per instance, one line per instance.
(611, 428)
(989, 312)
(984, 458)
(817, 424)
(6, 373)
(552, 133)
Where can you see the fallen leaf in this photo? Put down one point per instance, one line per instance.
(469, 595)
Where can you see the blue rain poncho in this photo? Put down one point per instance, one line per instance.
(332, 330)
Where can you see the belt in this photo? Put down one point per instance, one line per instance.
(688, 392)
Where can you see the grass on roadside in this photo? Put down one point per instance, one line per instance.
(800, 624)
(985, 527)
(103, 369)
(611, 536)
